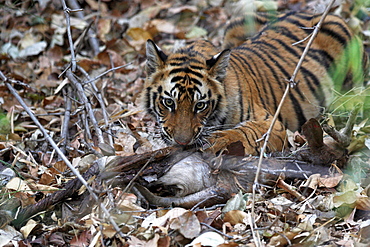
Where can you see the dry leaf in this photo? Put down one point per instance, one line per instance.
(162, 221)
(135, 242)
(163, 26)
(330, 182)
(208, 239)
(9, 236)
(48, 177)
(363, 203)
(17, 184)
(139, 34)
(187, 224)
(349, 198)
(83, 239)
(235, 217)
(27, 229)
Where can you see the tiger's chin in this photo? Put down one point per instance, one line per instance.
(199, 142)
(173, 142)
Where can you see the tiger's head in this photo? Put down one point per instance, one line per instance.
(185, 91)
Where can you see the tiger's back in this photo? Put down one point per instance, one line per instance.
(270, 57)
(196, 88)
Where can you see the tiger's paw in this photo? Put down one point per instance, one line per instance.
(222, 142)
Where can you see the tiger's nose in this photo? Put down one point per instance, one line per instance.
(183, 143)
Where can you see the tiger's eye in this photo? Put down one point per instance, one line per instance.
(168, 102)
(200, 106)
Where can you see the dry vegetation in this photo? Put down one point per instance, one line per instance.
(91, 112)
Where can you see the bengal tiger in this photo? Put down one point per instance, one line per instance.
(201, 95)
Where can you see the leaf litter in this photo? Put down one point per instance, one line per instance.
(34, 53)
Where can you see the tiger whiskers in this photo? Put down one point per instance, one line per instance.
(218, 127)
(202, 143)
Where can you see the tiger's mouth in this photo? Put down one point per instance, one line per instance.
(181, 138)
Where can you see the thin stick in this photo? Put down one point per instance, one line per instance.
(289, 85)
(67, 116)
(68, 21)
(93, 41)
(60, 153)
(86, 103)
(99, 97)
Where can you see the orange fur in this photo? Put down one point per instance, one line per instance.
(201, 95)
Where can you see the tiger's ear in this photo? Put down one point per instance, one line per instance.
(217, 65)
(155, 57)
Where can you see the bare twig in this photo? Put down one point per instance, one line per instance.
(93, 41)
(108, 71)
(66, 13)
(86, 103)
(98, 95)
(67, 116)
(60, 153)
(216, 230)
(289, 85)
(290, 189)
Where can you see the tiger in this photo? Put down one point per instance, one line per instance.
(215, 98)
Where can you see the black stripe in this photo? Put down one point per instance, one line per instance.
(289, 48)
(298, 110)
(250, 70)
(316, 91)
(304, 16)
(245, 135)
(167, 93)
(232, 66)
(295, 102)
(296, 21)
(235, 23)
(215, 118)
(196, 67)
(256, 148)
(147, 96)
(328, 31)
(322, 57)
(178, 60)
(265, 62)
(176, 79)
(292, 62)
(196, 81)
(186, 70)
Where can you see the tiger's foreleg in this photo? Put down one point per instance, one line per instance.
(249, 134)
